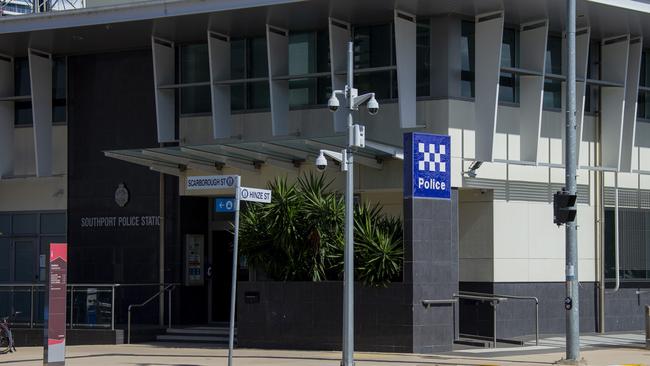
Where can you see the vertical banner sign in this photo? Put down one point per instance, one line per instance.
(55, 313)
(427, 166)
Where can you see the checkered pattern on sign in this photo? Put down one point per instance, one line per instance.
(432, 157)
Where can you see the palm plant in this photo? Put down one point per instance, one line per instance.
(299, 235)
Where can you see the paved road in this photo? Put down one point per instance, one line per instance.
(599, 350)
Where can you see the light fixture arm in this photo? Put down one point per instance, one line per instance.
(357, 101)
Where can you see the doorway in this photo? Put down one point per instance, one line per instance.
(221, 276)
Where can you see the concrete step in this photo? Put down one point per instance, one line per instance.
(192, 338)
(218, 335)
(213, 331)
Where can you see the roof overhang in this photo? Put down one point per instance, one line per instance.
(285, 154)
(130, 26)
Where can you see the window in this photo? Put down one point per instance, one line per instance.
(508, 88)
(373, 48)
(592, 93)
(634, 242)
(553, 87)
(467, 59)
(308, 53)
(22, 87)
(423, 58)
(508, 82)
(23, 224)
(194, 68)
(258, 96)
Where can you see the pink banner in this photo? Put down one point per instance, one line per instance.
(56, 314)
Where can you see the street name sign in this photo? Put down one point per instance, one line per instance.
(211, 182)
(224, 204)
(427, 166)
(255, 195)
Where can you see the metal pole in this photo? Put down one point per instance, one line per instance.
(616, 236)
(348, 272)
(572, 318)
(536, 322)
(31, 307)
(494, 320)
(128, 327)
(233, 288)
(161, 249)
(113, 307)
(71, 306)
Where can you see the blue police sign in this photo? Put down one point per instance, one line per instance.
(427, 166)
(224, 205)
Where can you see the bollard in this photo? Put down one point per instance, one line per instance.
(647, 326)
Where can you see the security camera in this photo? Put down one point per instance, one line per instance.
(333, 103)
(373, 106)
(321, 162)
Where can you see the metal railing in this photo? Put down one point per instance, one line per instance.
(96, 303)
(452, 302)
(167, 288)
(494, 300)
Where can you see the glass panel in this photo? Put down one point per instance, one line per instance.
(554, 55)
(373, 46)
(5, 225)
(302, 92)
(508, 82)
(5, 247)
(21, 77)
(323, 51)
(196, 99)
(238, 59)
(25, 224)
(92, 307)
(53, 223)
(552, 94)
(324, 90)
(238, 97)
(59, 90)
(302, 53)
(25, 261)
(257, 58)
(194, 63)
(467, 59)
(258, 95)
(378, 82)
(423, 58)
(22, 87)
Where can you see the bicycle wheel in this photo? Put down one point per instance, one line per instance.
(5, 346)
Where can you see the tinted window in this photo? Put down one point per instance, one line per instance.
(5, 225)
(54, 223)
(4, 259)
(25, 224)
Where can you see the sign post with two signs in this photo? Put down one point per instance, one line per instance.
(219, 182)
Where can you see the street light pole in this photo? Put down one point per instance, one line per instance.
(348, 272)
(572, 296)
(356, 139)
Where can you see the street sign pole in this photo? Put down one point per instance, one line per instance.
(233, 288)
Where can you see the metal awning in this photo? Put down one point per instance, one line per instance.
(287, 154)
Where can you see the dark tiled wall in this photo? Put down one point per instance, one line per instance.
(431, 267)
(624, 310)
(308, 315)
(516, 318)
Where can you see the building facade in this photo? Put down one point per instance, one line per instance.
(105, 112)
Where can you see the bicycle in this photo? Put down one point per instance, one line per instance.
(6, 337)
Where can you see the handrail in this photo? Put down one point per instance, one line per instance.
(169, 287)
(453, 302)
(514, 297)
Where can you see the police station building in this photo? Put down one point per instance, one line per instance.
(106, 111)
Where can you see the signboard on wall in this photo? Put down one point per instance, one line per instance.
(194, 260)
(55, 312)
(427, 166)
(211, 182)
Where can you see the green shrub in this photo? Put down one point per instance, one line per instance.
(299, 235)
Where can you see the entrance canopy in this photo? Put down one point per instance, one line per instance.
(286, 154)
